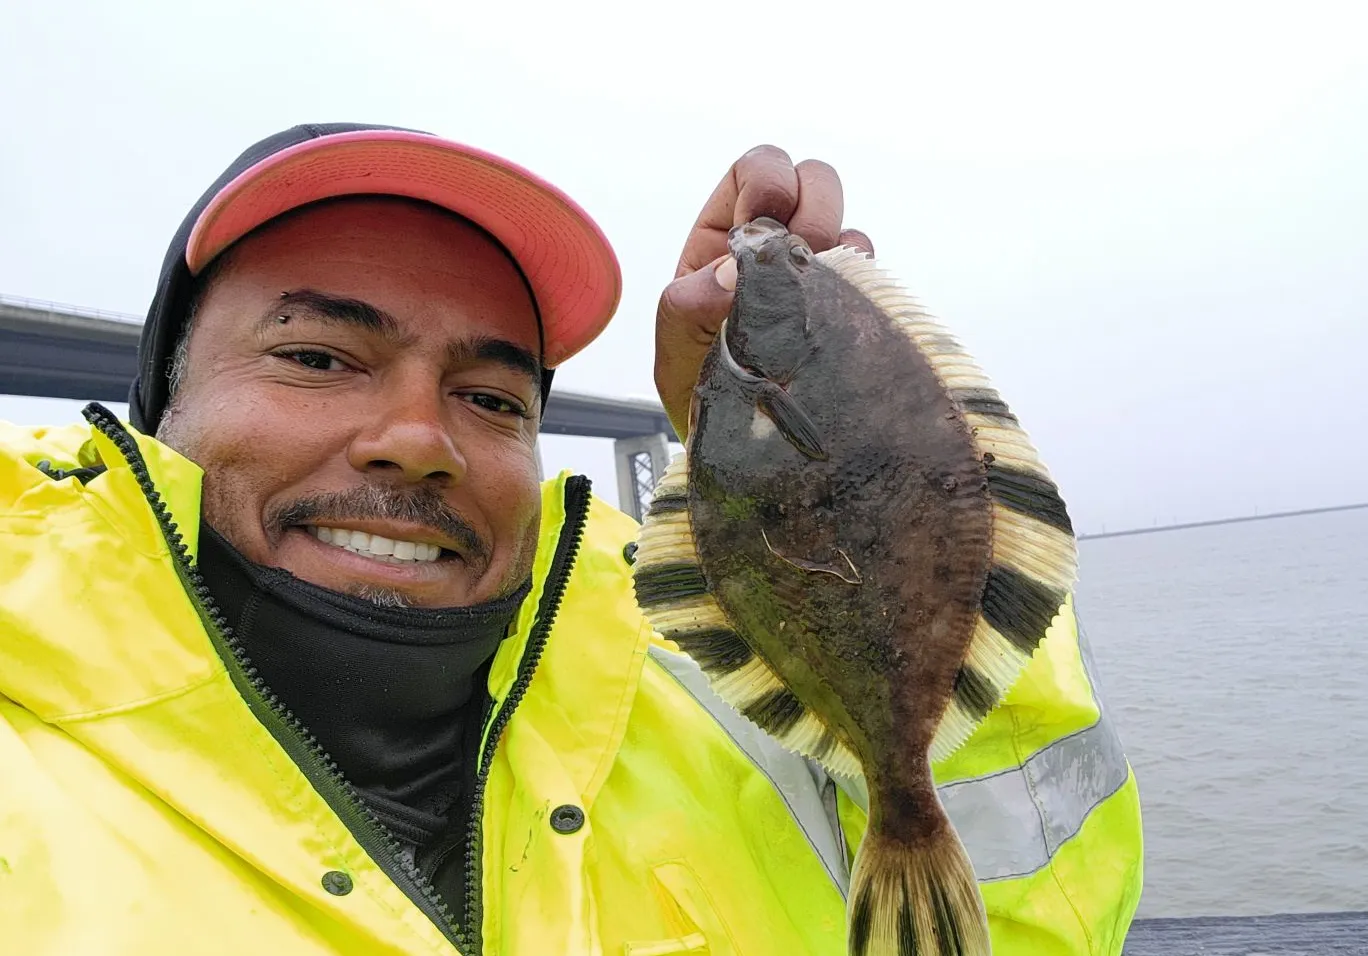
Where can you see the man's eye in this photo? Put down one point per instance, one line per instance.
(497, 404)
(314, 359)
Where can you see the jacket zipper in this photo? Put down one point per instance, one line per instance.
(557, 577)
(320, 769)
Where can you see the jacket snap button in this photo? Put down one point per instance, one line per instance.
(629, 552)
(567, 818)
(337, 883)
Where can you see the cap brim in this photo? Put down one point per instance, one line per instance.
(568, 261)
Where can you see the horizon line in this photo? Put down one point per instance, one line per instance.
(1182, 526)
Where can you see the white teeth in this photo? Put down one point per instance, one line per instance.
(378, 547)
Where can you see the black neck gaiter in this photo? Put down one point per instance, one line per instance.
(394, 695)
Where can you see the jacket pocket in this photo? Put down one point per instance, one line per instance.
(701, 931)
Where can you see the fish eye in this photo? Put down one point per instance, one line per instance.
(801, 254)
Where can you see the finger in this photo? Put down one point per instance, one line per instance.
(768, 185)
(763, 182)
(821, 205)
(856, 238)
(695, 304)
(688, 317)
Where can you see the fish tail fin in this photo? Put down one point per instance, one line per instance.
(916, 898)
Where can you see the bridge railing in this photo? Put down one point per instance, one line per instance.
(55, 350)
(63, 309)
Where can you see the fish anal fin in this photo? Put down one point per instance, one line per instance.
(673, 593)
(811, 737)
(778, 712)
(746, 687)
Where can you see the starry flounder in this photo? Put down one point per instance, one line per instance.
(861, 549)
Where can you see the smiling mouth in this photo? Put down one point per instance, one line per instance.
(379, 548)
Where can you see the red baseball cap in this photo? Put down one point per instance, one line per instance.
(567, 261)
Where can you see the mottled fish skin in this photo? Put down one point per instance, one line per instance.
(900, 505)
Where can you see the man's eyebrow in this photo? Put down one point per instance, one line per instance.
(355, 312)
(486, 348)
(331, 309)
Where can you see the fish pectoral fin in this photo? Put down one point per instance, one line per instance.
(778, 406)
(791, 420)
(845, 570)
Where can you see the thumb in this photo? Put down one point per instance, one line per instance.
(688, 316)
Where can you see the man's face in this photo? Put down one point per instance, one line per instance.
(369, 366)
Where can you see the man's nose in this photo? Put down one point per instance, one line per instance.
(409, 435)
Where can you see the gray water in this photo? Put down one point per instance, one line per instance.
(1235, 661)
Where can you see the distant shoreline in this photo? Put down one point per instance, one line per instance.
(1219, 521)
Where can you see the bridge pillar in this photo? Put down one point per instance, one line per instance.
(641, 464)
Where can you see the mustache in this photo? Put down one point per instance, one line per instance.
(420, 506)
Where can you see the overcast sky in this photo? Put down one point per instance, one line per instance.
(1150, 225)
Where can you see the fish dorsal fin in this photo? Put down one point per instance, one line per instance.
(673, 593)
(1035, 555)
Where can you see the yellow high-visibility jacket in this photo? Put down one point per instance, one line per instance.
(155, 798)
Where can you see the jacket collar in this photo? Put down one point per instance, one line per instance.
(103, 623)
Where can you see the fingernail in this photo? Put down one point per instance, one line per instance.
(725, 274)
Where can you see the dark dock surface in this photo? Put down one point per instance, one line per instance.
(1311, 934)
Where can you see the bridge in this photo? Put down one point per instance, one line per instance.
(53, 350)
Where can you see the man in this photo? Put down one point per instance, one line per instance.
(324, 667)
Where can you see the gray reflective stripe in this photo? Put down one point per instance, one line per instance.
(805, 788)
(1011, 822)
